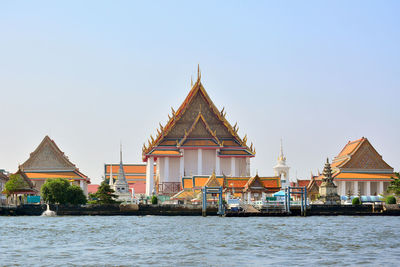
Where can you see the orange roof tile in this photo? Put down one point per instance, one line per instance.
(128, 168)
(353, 175)
(168, 143)
(159, 152)
(207, 142)
(187, 183)
(350, 147)
(230, 143)
(234, 152)
(236, 182)
(48, 175)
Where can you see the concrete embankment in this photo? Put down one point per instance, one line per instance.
(108, 210)
(191, 210)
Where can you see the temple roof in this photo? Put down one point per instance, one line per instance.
(197, 123)
(48, 158)
(360, 155)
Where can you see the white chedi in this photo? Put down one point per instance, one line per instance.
(282, 170)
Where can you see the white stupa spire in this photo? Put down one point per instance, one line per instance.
(281, 169)
(111, 181)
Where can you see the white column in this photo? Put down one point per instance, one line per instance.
(149, 176)
(166, 169)
(158, 170)
(343, 188)
(182, 164)
(248, 197)
(233, 167)
(368, 188)
(380, 190)
(247, 166)
(217, 163)
(355, 188)
(199, 161)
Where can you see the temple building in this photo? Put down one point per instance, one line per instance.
(196, 141)
(359, 168)
(135, 175)
(282, 170)
(49, 162)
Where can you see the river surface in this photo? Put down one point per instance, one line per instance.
(198, 241)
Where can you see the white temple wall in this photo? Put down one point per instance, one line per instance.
(190, 159)
(161, 168)
(225, 166)
(208, 161)
(174, 170)
(240, 165)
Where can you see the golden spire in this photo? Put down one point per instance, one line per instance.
(191, 81)
(198, 72)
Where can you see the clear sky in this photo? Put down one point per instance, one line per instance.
(93, 73)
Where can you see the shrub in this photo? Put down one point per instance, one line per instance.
(356, 201)
(390, 200)
(154, 200)
(75, 195)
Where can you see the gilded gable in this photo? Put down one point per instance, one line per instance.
(198, 104)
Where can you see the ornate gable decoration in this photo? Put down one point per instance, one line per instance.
(212, 181)
(254, 183)
(366, 157)
(47, 156)
(197, 106)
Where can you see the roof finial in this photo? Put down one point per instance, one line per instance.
(198, 72)
(191, 81)
(281, 156)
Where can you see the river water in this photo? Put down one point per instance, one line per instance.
(198, 241)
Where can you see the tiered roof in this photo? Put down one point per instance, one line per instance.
(197, 123)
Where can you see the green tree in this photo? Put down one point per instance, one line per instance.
(154, 200)
(55, 191)
(105, 195)
(356, 201)
(14, 184)
(75, 195)
(394, 186)
(390, 200)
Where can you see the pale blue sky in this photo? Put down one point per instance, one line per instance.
(92, 73)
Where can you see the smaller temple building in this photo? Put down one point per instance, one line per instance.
(360, 169)
(49, 162)
(357, 170)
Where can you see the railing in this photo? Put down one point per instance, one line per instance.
(169, 188)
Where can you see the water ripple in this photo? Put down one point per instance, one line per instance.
(198, 241)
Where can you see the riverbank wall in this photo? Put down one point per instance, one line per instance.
(193, 210)
(108, 210)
